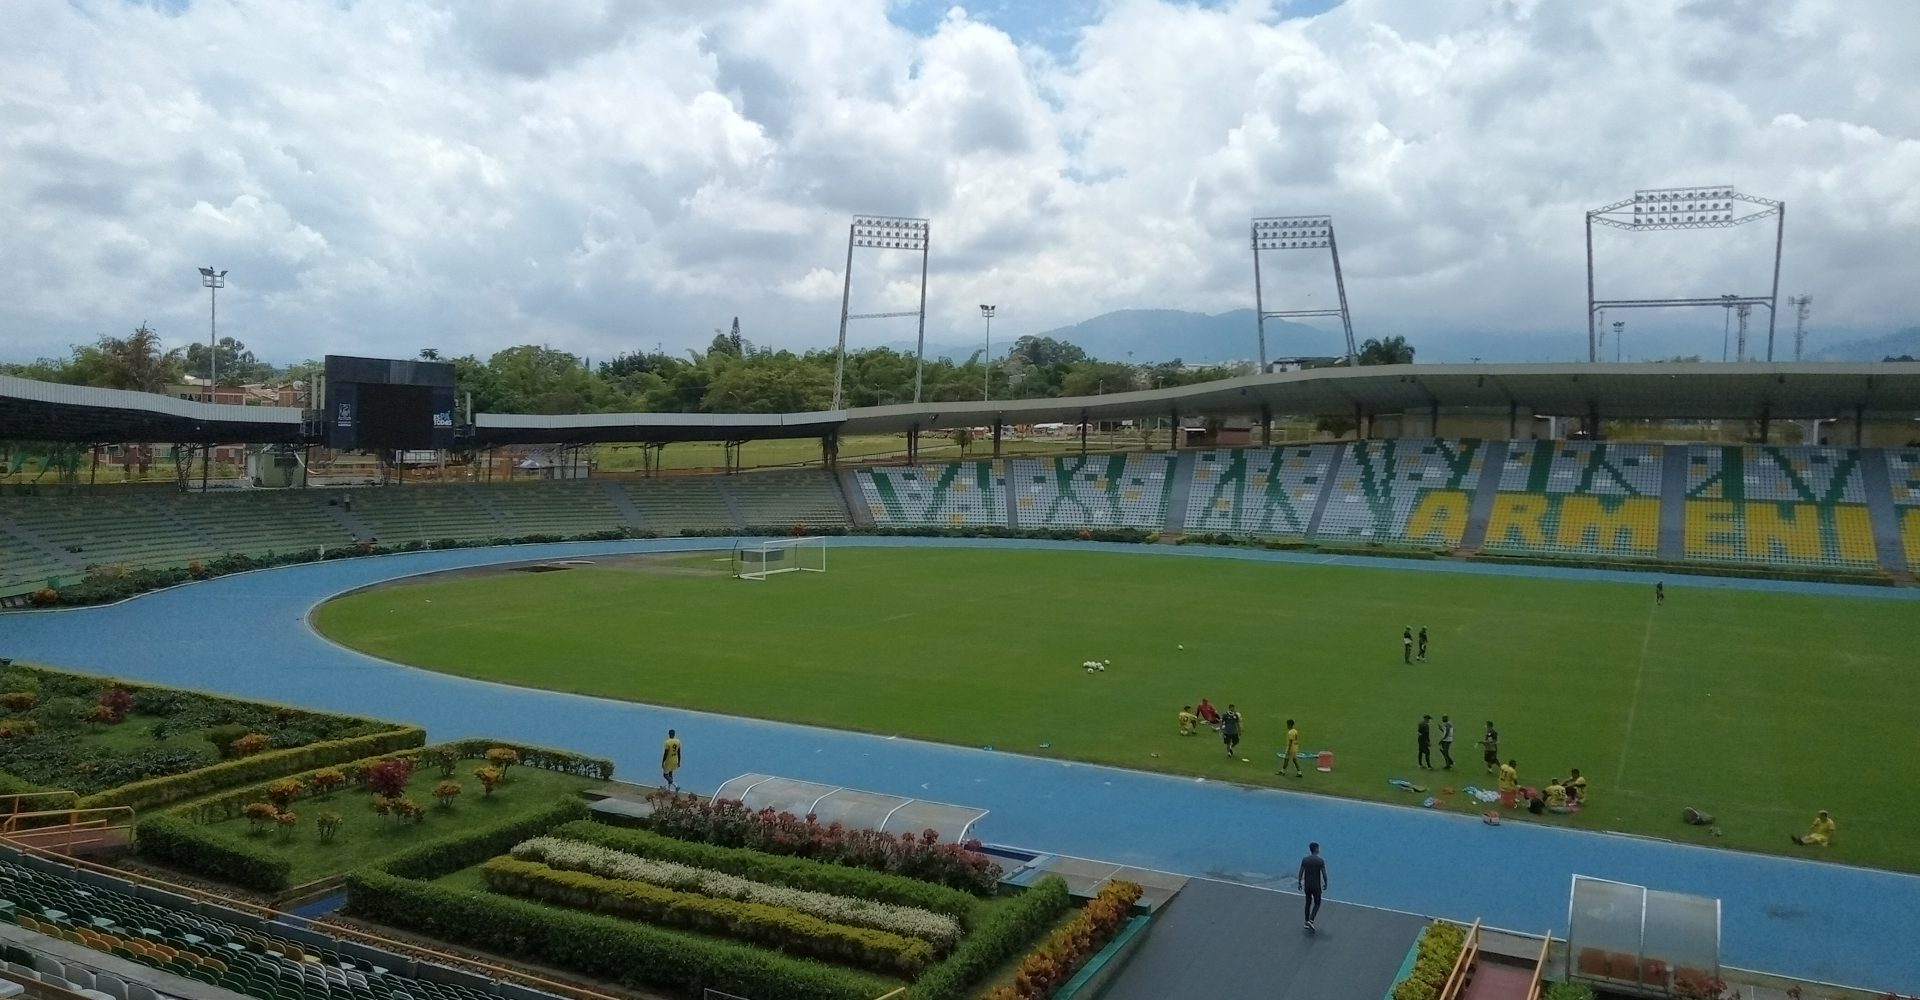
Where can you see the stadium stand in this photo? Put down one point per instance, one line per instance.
(679, 504)
(255, 521)
(122, 528)
(787, 499)
(26, 566)
(243, 954)
(1778, 506)
(1092, 491)
(936, 496)
(1408, 491)
(1270, 492)
(555, 508)
(1903, 479)
(425, 513)
(1578, 498)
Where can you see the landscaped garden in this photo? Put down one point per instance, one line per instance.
(306, 827)
(716, 896)
(89, 734)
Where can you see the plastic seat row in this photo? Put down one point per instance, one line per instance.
(1406, 491)
(808, 499)
(950, 494)
(1260, 491)
(1601, 468)
(1091, 491)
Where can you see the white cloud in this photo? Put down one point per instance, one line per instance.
(471, 174)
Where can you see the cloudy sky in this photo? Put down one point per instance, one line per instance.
(603, 175)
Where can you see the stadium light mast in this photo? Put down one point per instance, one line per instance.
(213, 281)
(883, 232)
(986, 384)
(1802, 308)
(1297, 232)
(1705, 207)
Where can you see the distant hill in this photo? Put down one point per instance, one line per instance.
(1166, 334)
(1902, 343)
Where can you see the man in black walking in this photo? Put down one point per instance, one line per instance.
(1230, 730)
(1446, 741)
(1490, 747)
(1406, 644)
(1312, 881)
(1422, 655)
(1425, 734)
(1659, 593)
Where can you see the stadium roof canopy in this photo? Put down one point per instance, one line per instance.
(49, 411)
(32, 410)
(1663, 390)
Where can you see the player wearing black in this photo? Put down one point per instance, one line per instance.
(1230, 730)
(1422, 656)
(1312, 880)
(1490, 747)
(1659, 593)
(1425, 735)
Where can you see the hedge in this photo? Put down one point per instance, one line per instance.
(1439, 947)
(544, 758)
(177, 837)
(774, 927)
(796, 873)
(620, 951)
(176, 841)
(1003, 935)
(260, 766)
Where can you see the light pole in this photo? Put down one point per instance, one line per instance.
(986, 383)
(213, 281)
(1726, 324)
(1619, 335)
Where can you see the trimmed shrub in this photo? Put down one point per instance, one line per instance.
(1008, 932)
(769, 926)
(389, 777)
(1049, 967)
(571, 855)
(1439, 947)
(799, 873)
(271, 764)
(179, 843)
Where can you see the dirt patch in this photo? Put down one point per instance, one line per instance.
(711, 563)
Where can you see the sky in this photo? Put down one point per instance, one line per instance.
(599, 176)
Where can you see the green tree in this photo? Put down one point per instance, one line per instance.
(770, 384)
(534, 379)
(1391, 351)
(1096, 378)
(1045, 352)
(131, 362)
(238, 366)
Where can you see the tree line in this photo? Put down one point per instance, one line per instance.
(732, 375)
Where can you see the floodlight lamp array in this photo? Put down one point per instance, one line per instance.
(1666, 206)
(889, 233)
(1300, 232)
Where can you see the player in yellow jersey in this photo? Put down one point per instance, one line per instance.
(1188, 721)
(670, 759)
(1822, 833)
(1292, 754)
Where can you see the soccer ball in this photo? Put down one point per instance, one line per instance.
(1181, 646)
(1104, 664)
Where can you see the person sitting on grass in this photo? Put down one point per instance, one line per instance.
(1510, 776)
(1557, 797)
(1188, 720)
(1208, 714)
(1822, 833)
(1576, 788)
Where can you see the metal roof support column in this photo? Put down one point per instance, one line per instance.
(1766, 421)
(1359, 422)
(1266, 425)
(1433, 418)
(830, 449)
(997, 422)
(1173, 432)
(1859, 427)
(1513, 421)
(913, 444)
(1083, 431)
(1593, 420)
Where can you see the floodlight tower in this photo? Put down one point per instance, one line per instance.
(1741, 310)
(883, 232)
(213, 281)
(1709, 207)
(1297, 232)
(1802, 308)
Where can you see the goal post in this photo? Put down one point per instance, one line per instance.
(759, 560)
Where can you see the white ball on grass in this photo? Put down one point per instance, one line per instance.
(1181, 646)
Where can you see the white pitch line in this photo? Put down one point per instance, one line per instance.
(1640, 672)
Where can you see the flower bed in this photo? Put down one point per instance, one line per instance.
(119, 742)
(566, 855)
(1439, 948)
(756, 923)
(797, 873)
(1055, 962)
(729, 823)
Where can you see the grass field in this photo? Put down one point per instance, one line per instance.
(1758, 707)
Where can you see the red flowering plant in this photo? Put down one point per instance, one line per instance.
(1048, 967)
(389, 777)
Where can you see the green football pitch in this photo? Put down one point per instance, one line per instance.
(1757, 707)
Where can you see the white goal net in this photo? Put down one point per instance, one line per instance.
(759, 560)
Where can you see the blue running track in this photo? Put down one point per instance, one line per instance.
(1803, 918)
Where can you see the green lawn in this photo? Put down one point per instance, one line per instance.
(365, 838)
(1758, 707)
